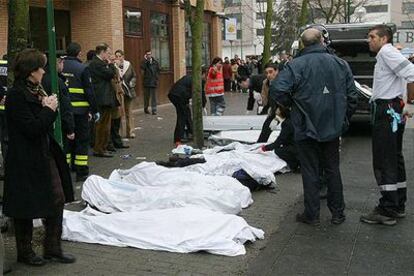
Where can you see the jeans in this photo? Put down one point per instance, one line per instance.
(150, 92)
(217, 105)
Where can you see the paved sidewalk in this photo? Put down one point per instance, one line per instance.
(352, 248)
(154, 141)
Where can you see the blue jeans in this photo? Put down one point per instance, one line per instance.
(217, 105)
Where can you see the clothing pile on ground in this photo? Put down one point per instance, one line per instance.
(188, 209)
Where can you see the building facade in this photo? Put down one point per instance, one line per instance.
(132, 25)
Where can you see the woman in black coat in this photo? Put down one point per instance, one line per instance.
(37, 179)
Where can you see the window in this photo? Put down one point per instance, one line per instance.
(205, 44)
(229, 3)
(376, 8)
(160, 39)
(408, 7)
(407, 24)
(133, 22)
(260, 16)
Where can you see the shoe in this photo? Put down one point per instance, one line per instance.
(397, 214)
(375, 217)
(122, 147)
(32, 260)
(338, 219)
(302, 218)
(111, 148)
(146, 111)
(60, 258)
(154, 113)
(104, 155)
(131, 136)
(81, 178)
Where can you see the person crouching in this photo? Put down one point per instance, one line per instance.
(284, 146)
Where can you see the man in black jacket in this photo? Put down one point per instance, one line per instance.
(102, 72)
(151, 71)
(321, 91)
(254, 84)
(180, 94)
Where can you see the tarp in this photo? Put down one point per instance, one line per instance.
(228, 159)
(183, 230)
(115, 196)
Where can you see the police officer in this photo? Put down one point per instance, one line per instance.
(3, 91)
(84, 106)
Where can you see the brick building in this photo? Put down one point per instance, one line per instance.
(132, 25)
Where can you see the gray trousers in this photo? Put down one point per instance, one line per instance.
(150, 92)
(1, 254)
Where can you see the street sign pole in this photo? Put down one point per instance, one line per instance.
(51, 33)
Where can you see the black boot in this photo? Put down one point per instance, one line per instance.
(25, 254)
(52, 243)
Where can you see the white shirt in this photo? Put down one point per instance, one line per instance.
(391, 74)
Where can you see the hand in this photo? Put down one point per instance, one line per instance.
(71, 136)
(50, 102)
(408, 110)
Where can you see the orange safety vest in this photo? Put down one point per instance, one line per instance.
(214, 85)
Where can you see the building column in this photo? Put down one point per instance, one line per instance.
(178, 35)
(216, 36)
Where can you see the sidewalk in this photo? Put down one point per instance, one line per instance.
(352, 248)
(154, 141)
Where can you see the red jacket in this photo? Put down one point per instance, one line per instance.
(227, 72)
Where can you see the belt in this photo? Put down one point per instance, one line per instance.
(387, 101)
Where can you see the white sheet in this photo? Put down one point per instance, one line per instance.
(260, 166)
(182, 230)
(242, 136)
(149, 174)
(115, 196)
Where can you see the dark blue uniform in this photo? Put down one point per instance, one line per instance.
(83, 103)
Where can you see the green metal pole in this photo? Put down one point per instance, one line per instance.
(51, 33)
(241, 31)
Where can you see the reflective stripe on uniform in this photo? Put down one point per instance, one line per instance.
(401, 185)
(76, 90)
(81, 163)
(388, 187)
(81, 157)
(2, 107)
(68, 158)
(81, 160)
(3, 61)
(80, 104)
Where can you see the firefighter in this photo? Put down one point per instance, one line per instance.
(84, 109)
(3, 91)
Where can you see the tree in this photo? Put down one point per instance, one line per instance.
(304, 13)
(332, 11)
(195, 18)
(287, 26)
(267, 33)
(18, 31)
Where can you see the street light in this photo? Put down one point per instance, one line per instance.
(360, 12)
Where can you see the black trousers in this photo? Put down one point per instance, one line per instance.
(184, 120)
(77, 149)
(227, 85)
(290, 155)
(313, 156)
(250, 101)
(150, 92)
(388, 160)
(266, 131)
(116, 138)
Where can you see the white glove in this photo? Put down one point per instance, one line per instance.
(257, 96)
(97, 117)
(205, 111)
